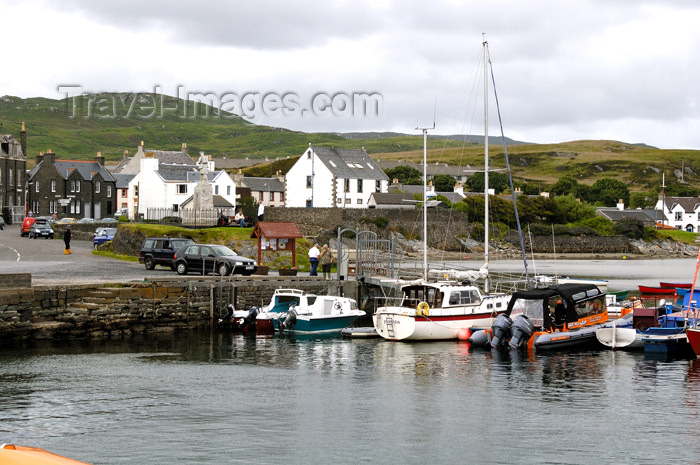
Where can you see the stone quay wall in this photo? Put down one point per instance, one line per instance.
(104, 311)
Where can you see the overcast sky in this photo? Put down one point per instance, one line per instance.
(598, 69)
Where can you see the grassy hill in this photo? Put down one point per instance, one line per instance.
(69, 132)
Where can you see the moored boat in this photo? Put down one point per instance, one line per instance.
(656, 290)
(565, 316)
(693, 335)
(620, 334)
(668, 342)
(293, 310)
(676, 285)
(11, 454)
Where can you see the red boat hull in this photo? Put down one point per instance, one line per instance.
(694, 339)
(676, 285)
(657, 290)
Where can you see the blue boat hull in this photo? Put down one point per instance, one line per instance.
(328, 324)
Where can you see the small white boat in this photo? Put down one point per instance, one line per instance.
(295, 311)
(620, 335)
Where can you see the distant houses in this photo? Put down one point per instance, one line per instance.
(13, 175)
(680, 212)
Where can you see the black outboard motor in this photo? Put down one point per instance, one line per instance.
(290, 319)
(501, 330)
(228, 315)
(522, 330)
(250, 318)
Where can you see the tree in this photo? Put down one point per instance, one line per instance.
(608, 191)
(444, 183)
(564, 186)
(572, 210)
(497, 181)
(681, 190)
(405, 175)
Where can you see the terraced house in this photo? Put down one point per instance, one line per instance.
(13, 168)
(71, 188)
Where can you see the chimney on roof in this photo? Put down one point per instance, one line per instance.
(50, 157)
(100, 159)
(126, 154)
(620, 204)
(39, 158)
(141, 143)
(184, 148)
(23, 140)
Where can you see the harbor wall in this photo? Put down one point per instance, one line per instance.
(119, 310)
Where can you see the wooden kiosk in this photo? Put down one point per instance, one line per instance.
(276, 237)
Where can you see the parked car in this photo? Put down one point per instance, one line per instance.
(161, 251)
(86, 220)
(29, 221)
(107, 221)
(103, 235)
(38, 229)
(2, 223)
(67, 221)
(209, 258)
(121, 212)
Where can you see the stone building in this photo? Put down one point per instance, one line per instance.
(71, 188)
(13, 169)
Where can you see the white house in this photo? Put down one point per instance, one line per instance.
(680, 212)
(166, 186)
(328, 177)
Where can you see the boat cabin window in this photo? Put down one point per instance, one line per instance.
(465, 297)
(590, 307)
(414, 295)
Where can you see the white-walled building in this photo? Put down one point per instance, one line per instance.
(166, 186)
(266, 191)
(328, 177)
(680, 212)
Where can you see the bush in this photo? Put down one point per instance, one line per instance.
(630, 227)
(380, 221)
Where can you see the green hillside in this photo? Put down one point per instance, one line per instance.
(80, 131)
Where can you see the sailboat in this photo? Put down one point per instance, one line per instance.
(447, 309)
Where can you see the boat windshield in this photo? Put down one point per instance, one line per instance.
(413, 295)
(533, 309)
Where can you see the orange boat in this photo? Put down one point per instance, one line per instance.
(20, 455)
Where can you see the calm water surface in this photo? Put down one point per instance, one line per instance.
(203, 398)
(219, 399)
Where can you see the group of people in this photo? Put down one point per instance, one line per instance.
(324, 257)
(240, 219)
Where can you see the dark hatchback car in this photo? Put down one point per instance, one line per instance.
(161, 251)
(40, 230)
(210, 258)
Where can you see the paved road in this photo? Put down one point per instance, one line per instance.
(44, 259)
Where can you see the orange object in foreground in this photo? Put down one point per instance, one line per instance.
(20, 455)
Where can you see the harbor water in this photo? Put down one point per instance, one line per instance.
(218, 398)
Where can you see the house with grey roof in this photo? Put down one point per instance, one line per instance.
(680, 212)
(13, 173)
(333, 177)
(171, 187)
(71, 188)
(266, 191)
(132, 164)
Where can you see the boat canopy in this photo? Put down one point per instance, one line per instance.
(553, 306)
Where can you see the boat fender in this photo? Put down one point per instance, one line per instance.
(423, 309)
(501, 330)
(464, 334)
(522, 331)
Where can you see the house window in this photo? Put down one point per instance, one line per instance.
(347, 201)
(77, 189)
(125, 205)
(359, 185)
(216, 190)
(260, 196)
(9, 172)
(308, 203)
(124, 193)
(272, 196)
(175, 207)
(679, 215)
(36, 186)
(308, 181)
(53, 187)
(338, 200)
(281, 196)
(52, 206)
(182, 188)
(228, 190)
(35, 206)
(346, 186)
(72, 185)
(308, 154)
(109, 191)
(359, 201)
(97, 187)
(378, 186)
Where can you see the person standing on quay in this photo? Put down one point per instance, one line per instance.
(66, 240)
(313, 259)
(261, 212)
(326, 259)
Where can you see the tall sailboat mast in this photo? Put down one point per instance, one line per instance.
(425, 204)
(486, 165)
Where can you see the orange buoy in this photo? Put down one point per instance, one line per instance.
(464, 334)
